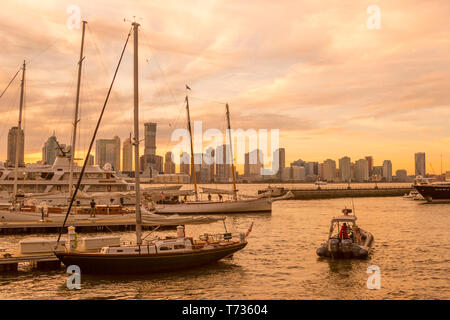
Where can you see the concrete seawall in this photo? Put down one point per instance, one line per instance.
(348, 193)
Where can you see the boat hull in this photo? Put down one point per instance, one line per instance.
(241, 206)
(430, 192)
(146, 263)
(337, 249)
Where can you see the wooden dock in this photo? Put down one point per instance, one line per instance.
(9, 261)
(86, 225)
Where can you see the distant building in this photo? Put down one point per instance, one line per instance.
(50, 150)
(370, 164)
(387, 170)
(377, 173)
(298, 174)
(108, 151)
(127, 155)
(401, 176)
(329, 170)
(311, 170)
(361, 170)
(12, 143)
(254, 163)
(169, 165)
(150, 138)
(420, 164)
(279, 161)
(345, 169)
(90, 161)
(185, 163)
(286, 174)
(223, 163)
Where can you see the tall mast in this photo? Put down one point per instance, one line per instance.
(136, 136)
(77, 103)
(194, 175)
(19, 130)
(231, 151)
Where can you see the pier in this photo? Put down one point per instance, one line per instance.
(90, 225)
(324, 193)
(10, 261)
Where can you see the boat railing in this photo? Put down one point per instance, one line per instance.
(222, 237)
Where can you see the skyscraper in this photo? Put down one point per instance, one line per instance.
(329, 170)
(108, 151)
(12, 143)
(420, 164)
(345, 169)
(127, 155)
(50, 150)
(185, 163)
(150, 138)
(361, 170)
(279, 161)
(370, 164)
(223, 163)
(387, 170)
(169, 165)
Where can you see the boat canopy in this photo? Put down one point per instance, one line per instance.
(344, 219)
(216, 191)
(170, 193)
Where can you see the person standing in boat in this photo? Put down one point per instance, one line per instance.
(92, 208)
(343, 233)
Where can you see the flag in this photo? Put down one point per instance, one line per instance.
(249, 230)
(187, 87)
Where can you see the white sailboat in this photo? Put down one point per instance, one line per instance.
(234, 205)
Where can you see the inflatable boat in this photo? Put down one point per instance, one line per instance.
(346, 240)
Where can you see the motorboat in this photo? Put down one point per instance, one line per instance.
(346, 239)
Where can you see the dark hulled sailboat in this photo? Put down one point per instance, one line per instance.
(154, 256)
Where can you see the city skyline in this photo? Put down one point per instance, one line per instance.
(322, 91)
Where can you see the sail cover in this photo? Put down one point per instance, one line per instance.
(216, 191)
(151, 219)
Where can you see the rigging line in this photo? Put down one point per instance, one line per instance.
(93, 138)
(1, 95)
(207, 100)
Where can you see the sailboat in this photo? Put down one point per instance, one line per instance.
(234, 205)
(153, 256)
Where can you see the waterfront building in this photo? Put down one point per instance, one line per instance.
(223, 164)
(12, 143)
(387, 170)
(298, 174)
(345, 169)
(150, 138)
(279, 161)
(169, 165)
(108, 151)
(50, 150)
(361, 170)
(370, 165)
(127, 155)
(185, 163)
(329, 170)
(286, 174)
(401, 176)
(420, 164)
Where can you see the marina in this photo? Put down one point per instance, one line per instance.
(220, 151)
(411, 268)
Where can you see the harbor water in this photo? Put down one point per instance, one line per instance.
(411, 249)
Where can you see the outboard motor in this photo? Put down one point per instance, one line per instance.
(333, 246)
(346, 247)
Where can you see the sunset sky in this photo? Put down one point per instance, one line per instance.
(312, 69)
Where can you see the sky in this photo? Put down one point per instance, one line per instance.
(330, 82)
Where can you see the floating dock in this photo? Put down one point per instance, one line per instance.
(10, 261)
(89, 225)
(324, 193)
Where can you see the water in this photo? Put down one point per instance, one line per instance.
(411, 249)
